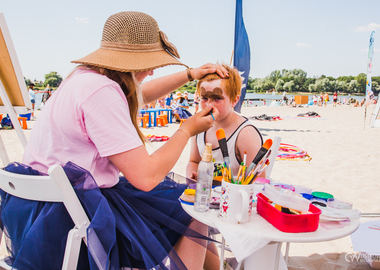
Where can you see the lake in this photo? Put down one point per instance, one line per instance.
(252, 99)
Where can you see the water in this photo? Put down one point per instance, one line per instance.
(254, 99)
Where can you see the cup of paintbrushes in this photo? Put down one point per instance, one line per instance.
(236, 202)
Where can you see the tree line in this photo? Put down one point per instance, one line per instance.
(296, 80)
(53, 79)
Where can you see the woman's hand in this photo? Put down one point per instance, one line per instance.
(201, 121)
(201, 71)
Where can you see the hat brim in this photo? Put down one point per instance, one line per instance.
(129, 61)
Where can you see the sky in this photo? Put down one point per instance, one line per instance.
(321, 37)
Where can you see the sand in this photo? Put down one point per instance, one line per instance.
(345, 161)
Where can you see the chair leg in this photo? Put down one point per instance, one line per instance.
(222, 254)
(70, 261)
(24, 124)
(182, 121)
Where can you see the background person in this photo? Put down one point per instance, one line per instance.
(180, 107)
(145, 223)
(335, 99)
(196, 101)
(46, 95)
(32, 96)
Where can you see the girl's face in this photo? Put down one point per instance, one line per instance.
(214, 93)
(140, 76)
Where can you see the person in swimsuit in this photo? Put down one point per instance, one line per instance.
(241, 135)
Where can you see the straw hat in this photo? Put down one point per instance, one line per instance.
(178, 95)
(132, 42)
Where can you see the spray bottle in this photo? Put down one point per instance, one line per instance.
(204, 181)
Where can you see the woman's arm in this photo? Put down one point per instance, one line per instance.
(159, 87)
(184, 105)
(195, 158)
(146, 171)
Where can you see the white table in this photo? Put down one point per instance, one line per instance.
(258, 242)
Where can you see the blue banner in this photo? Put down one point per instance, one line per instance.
(242, 52)
(368, 91)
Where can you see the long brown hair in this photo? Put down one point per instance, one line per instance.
(129, 87)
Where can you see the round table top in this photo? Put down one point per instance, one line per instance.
(258, 226)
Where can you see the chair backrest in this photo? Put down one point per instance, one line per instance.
(53, 188)
(272, 158)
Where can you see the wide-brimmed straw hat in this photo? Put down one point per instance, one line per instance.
(132, 42)
(178, 95)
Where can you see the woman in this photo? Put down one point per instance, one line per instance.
(90, 124)
(180, 107)
(335, 99)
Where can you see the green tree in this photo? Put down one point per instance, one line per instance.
(275, 76)
(289, 86)
(279, 85)
(53, 79)
(361, 80)
(353, 87)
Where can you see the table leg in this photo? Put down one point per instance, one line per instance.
(222, 254)
(278, 253)
(265, 258)
(287, 252)
(155, 119)
(170, 117)
(150, 120)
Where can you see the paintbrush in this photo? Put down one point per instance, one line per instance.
(221, 136)
(259, 171)
(263, 150)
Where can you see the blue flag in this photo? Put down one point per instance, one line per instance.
(242, 52)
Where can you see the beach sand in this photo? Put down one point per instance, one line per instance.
(345, 154)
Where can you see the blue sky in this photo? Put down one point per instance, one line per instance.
(329, 37)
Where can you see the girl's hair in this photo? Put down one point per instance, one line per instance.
(130, 88)
(232, 83)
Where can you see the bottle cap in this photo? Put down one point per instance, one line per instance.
(207, 154)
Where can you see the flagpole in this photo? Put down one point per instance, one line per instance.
(369, 93)
(232, 55)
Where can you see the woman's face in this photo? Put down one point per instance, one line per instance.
(214, 93)
(140, 76)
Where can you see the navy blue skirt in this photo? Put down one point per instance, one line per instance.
(129, 227)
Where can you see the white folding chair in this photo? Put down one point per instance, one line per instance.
(53, 188)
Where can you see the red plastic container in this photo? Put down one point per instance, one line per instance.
(287, 222)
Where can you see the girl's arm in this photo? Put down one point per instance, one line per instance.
(248, 140)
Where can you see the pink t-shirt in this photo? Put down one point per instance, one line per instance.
(85, 121)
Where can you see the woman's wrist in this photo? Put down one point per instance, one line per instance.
(189, 75)
(184, 132)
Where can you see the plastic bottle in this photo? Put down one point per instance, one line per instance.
(204, 181)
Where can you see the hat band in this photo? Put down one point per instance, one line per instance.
(131, 47)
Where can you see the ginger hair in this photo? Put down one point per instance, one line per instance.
(232, 84)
